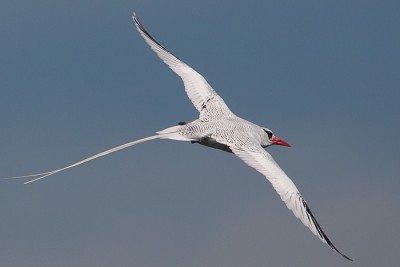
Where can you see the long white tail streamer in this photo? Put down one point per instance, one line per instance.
(46, 174)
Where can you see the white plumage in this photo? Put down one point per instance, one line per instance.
(219, 128)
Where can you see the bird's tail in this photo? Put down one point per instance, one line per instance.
(174, 134)
(169, 133)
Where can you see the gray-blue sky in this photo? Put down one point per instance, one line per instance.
(76, 78)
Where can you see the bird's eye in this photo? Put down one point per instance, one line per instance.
(269, 133)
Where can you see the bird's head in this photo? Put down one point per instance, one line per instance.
(273, 139)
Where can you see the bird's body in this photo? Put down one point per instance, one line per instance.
(219, 128)
(230, 131)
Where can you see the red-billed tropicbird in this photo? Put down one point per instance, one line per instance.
(219, 128)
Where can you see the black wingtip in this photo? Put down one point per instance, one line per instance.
(135, 19)
(321, 232)
(147, 34)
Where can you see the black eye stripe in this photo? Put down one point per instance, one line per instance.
(269, 133)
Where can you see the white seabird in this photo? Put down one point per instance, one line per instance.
(219, 128)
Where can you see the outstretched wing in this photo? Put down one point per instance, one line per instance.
(202, 95)
(263, 162)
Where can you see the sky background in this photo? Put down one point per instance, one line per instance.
(76, 79)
